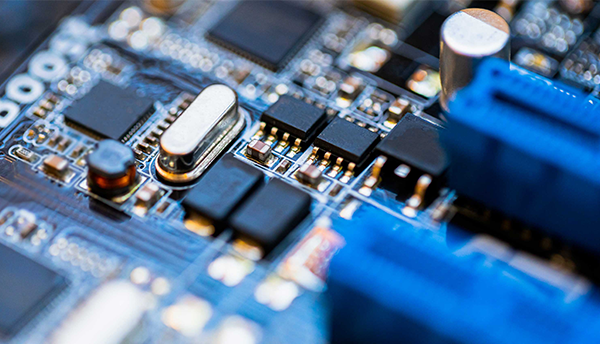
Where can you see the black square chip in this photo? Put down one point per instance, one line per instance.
(109, 111)
(400, 67)
(294, 116)
(347, 140)
(267, 32)
(222, 189)
(415, 142)
(26, 287)
(270, 214)
(397, 70)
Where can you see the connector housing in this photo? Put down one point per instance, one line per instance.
(530, 148)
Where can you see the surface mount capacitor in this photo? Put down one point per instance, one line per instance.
(467, 37)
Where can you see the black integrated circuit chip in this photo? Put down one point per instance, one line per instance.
(109, 111)
(222, 189)
(296, 117)
(348, 141)
(270, 214)
(415, 142)
(267, 32)
(26, 287)
(397, 70)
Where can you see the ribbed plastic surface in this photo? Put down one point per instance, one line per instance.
(394, 283)
(528, 147)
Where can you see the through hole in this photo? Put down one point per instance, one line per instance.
(25, 89)
(48, 66)
(3, 113)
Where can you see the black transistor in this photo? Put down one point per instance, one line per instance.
(348, 141)
(298, 118)
(270, 214)
(222, 189)
(413, 142)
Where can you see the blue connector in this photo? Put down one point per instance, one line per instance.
(395, 283)
(530, 148)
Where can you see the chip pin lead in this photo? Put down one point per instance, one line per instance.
(170, 120)
(272, 137)
(336, 168)
(351, 166)
(313, 155)
(347, 176)
(334, 171)
(283, 143)
(163, 125)
(371, 182)
(261, 130)
(417, 198)
(295, 148)
(323, 165)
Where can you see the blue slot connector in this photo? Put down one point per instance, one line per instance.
(530, 148)
(394, 283)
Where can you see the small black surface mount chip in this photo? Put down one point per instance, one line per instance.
(109, 111)
(403, 68)
(292, 122)
(397, 70)
(412, 149)
(296, 117)
(26, 287)
(266, 32)
(270, 214)
(348, 141)
(222, 189)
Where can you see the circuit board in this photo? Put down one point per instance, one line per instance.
(297, 172)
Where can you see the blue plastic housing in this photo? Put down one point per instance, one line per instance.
(530, 148)
(394, 283)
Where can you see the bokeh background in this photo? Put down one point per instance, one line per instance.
(24, 24)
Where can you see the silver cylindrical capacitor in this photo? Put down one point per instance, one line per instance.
(466, 38)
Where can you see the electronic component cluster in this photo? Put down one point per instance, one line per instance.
(187, 171)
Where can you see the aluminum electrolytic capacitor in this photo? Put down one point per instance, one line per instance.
(466, 38)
